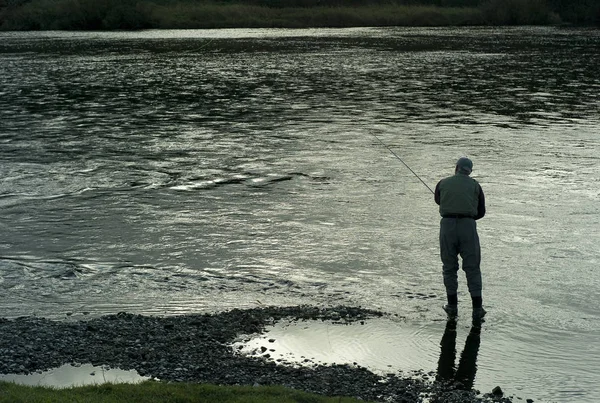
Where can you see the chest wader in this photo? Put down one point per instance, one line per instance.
(458, 236)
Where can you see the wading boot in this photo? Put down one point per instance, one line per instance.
(478, 314)
(451, 310)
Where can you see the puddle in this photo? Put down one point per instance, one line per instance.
(478, 357)
(382, 345)
(68, 375)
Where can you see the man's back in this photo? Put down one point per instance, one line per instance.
(458, 195)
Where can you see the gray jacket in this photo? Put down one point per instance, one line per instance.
(460, 196)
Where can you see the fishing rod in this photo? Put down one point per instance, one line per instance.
(405, 164)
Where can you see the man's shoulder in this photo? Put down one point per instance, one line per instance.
(449, 179)
(446, 179)
(458, 179)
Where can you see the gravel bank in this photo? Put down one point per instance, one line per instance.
(196, 348)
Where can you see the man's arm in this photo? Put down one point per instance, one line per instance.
(436, 194)
(480, 205)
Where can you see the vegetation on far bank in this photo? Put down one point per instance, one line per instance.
(173, 14)
(158, 392)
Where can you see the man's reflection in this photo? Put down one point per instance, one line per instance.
(464, 374)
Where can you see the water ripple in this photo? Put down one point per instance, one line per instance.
(152, 173)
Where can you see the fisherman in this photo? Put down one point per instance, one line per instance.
(461, 202)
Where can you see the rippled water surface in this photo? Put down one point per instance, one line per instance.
(165, 172)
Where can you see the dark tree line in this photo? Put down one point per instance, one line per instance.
(135, 14)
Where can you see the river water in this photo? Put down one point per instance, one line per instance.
(170, 172)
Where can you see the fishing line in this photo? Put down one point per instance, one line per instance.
(405, 164)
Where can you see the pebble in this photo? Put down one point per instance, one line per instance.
(198, 348)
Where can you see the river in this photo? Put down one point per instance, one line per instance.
(171, 172)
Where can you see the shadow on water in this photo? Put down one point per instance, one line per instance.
(382, 345)
(464, 374)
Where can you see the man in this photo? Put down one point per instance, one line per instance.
(461, 202)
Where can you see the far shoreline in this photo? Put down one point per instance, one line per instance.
(90, 15)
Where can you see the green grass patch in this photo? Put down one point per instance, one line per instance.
(159, 392)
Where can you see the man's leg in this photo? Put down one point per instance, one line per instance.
(449, 256)
(470, 252)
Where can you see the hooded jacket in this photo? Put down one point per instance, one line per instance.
(460, 196)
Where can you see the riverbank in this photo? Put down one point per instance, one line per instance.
(189, 14)
(197, 349)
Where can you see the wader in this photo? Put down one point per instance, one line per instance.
(459, 236)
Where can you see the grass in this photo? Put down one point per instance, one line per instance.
(159, 392)
(109, 14)
(229, 16)
(199, 14)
